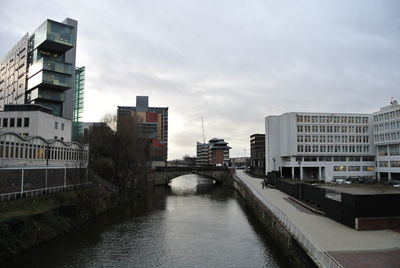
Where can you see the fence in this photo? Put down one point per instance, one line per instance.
(320, 256)
(20, 183)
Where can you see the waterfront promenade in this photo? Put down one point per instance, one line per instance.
(349, 247)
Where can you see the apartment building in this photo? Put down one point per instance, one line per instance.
(152, 124)
(215, 152)
(320, 146)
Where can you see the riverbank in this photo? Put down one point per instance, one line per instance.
(27, 223)
(295, 253)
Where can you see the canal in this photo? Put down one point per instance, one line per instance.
(192, 223)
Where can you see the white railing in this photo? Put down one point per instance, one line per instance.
(320, 256)
(36, 192)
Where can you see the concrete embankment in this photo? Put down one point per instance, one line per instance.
(281, 236)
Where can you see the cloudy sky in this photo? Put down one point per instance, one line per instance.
(232, 62)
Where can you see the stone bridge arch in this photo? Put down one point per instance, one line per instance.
(163, 175)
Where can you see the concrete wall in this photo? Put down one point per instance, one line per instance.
(40, 124)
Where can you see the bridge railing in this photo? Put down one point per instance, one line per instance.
(321, 256)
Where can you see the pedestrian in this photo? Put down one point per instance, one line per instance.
(263, 184)
(266, 184)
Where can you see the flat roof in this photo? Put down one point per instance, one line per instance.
(361, 189)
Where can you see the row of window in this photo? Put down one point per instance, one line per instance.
(331, 158)
(387, 137)
(354, 168)
(315, 148)
(331, 138)
(14, 122)
(15, 150)
(22, 122)
(393, 149)
(387, 126)
(331, 119)
(387, 116)
(386, 164)
(332, 129)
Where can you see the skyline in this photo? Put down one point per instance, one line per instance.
(231, 63)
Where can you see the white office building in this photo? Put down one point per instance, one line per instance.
(387, 141)
(320, 146)
(34, 120)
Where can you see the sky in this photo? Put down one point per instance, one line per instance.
(231, 62)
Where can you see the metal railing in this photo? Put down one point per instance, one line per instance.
(37, 192)
(316, 252)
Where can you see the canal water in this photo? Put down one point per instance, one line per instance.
(192, 223)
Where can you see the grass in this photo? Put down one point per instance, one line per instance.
(32, 205)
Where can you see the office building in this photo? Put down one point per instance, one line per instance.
(320, 146)
(152, 124)
(39, 69)
(257, 153)
(215, 152)
(386, 123)
(77, 127)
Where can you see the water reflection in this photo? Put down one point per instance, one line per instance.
(191, 185)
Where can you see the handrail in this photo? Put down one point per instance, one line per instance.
(37, 192)
(320, 255)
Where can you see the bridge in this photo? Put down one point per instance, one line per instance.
(163, 175)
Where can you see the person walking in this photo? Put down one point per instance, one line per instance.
(263, 184)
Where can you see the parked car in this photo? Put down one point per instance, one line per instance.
(370, 181)
(393, 182)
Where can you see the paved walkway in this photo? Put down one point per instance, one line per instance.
(348, 246)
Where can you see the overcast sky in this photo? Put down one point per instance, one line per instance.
(232, 62)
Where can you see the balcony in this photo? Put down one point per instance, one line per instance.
(45, 95)
(50, 65)
(47, 79)
(54, 36)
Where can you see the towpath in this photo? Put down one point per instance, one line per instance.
(349, 247)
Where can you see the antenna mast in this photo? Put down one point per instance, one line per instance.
(202, 128)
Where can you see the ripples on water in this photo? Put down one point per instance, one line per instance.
(192, 223)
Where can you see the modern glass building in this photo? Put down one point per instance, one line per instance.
(77, 129)
(40, 69)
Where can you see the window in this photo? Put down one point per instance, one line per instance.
(62, 126)
(339, 168)
(55, 137)
(55, 125)
(5, 122)
(26, 122)
(19, 122)
(12, 122)
(394, 163)
(339, 158)
(354, 168)
(383, 164)
(369, 168)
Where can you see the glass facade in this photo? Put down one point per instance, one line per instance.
(54, 35)
(77, 129)
(50, 65)
(51, 79)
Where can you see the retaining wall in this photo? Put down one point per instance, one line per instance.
(282, 237)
